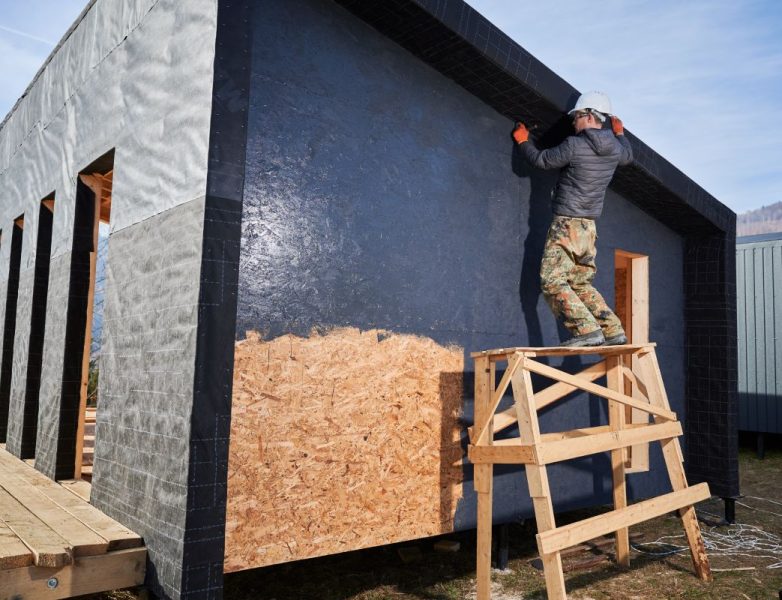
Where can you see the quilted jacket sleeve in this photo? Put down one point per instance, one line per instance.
(553, 158)
(626, 157)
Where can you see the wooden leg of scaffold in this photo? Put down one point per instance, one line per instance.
(674, 462)
(483, 478)
(616, 420)
(483, 485)
(537, 481)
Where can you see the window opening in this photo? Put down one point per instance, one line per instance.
(9, 331)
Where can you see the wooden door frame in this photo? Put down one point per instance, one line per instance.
(636, 324)
(101, 186)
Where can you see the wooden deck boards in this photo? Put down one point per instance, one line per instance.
(503, 353)
(49, 530)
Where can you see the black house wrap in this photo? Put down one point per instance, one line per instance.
(285, 170)
(456, 40)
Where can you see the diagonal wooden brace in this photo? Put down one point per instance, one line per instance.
(513, 364)
(598, 390)
(546, 397)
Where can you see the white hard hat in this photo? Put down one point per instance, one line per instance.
(595, 100)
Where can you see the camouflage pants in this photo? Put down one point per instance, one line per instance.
(566, 274)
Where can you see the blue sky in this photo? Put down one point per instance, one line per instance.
(29, 30)
(699, 81)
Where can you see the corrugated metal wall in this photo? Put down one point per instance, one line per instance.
(759, 291)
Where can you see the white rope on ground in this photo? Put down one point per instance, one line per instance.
(734, 540)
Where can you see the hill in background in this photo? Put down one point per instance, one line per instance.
(767, 219)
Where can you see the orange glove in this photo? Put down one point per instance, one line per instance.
(520, 134)
(617, 125)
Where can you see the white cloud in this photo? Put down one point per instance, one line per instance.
(29, 36)
(698, 81)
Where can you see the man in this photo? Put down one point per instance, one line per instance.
(588, 160)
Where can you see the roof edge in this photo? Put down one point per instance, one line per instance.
(508, 78)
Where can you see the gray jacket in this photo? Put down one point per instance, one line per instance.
(589, 160)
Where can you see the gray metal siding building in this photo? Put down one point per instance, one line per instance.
(759, 312)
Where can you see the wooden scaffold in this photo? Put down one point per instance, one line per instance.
(624, 367)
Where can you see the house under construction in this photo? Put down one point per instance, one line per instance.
(313, 214)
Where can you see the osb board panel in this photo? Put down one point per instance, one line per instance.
(339, 441)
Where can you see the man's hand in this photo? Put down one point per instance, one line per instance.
(520, 134)
(617, 125)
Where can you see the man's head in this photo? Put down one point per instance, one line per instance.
(587, 119)
(590, 110)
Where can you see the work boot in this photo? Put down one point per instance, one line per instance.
(616, 340)
(593, 338)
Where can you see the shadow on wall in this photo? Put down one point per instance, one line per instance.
(542, 188)
(760, 413)
(453, 445)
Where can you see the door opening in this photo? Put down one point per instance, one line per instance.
(9, 332)
(99, 180)
(43, 249)
(84, 319)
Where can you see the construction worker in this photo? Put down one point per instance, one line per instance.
(588, 161)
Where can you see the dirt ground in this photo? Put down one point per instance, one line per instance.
(746, 559)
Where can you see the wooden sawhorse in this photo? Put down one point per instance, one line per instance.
(636, 364)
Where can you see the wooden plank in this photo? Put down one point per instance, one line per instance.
(81, 539)
(616, 423)
(640, 300)
(48, 548)
(561, 389)
(94, 182)
(80, 488)
(639, 275)
(537, 481)
(638, 457)
(630, 375)
(88, 575)
(581, 531)
(672, 454)
(556, 436)
(558, 450)
(496, 398)
(628, 254)
(483, 482)
(502, 421)
(505, 455)
(598, 390)
(578, 433)
(117, 535)
(484, 473)
(545, 397)
(650, 371)
(483, 389)
(501, 353)
(13, 552)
